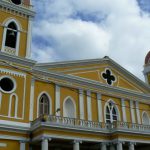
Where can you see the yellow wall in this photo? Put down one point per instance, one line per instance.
(23, 34)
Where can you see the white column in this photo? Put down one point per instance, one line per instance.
(119, 146)
(22, 145)
(44, 144)
(131, 146)
(76, 145)
(89, 109)
(81, 102)
(112, 147)
(138, 112)
(123, 110)
(29, 38)
(132, 111)
(57, 100)
(32, 99)
(103, 146)
(99, 105)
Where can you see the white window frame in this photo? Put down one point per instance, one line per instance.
(64, 107)
(144, 112)
(5, 24)
(38, 100)
(116, 108)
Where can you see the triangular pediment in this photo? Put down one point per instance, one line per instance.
(103, 71)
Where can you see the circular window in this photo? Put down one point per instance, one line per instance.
(7, 85)
(17, 2)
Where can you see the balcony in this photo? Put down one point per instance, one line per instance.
(78, 124)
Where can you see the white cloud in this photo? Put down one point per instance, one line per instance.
(123, 35)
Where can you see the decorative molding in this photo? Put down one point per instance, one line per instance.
(99, 107)
(20, 11)
(50, 102)
(132, 111)
(32, 99)
(29, 38)
(123, 110)
(3, 145)
(75, 109)
(13, 73)
(57, 100)
(81, 104)
(89, 106)
(138, 112)
(10, 105)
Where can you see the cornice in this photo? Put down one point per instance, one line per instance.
(16, 8)
(16, 59)
(93, 84)
(105, 60)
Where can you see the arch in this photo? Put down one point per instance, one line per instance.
(12, 33)
(49, 102)
(69, 107)
(13, 105)
(145, 118)
(111, 112)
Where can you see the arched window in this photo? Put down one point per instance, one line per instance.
(69, 108)
(145, 118)
(13, 106)
(11, 35)
(44, 105)
(111, 112)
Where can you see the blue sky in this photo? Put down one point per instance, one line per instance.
(83, 29)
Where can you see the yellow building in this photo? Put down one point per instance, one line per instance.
(87, 104)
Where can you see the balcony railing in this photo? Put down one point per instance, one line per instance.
(66, 122)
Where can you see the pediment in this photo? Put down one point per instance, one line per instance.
(104, 71)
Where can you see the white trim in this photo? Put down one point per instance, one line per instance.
(70, 98)
(11, 72)
(31, 99)
(89, 107)
(99, 107)
(3, 145)
(51, 136)
(123, 110)
(57, 100)
(5, 24)
(117, 109)
(14, 83)
(10, 105)
(132, 112)
(138, 112)
(14, 123)
(50, 104)
(110, 74)
(29, 38)
(22, 145)
(144, 112)
(81, 104)
(15, 138)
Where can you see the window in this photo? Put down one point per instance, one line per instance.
(145, 119)
(17, 2)
(7, 84)
(111, 112)
(44, 105)
(11, 35)
(69, 108)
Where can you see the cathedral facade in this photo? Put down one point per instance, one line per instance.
(81, 105)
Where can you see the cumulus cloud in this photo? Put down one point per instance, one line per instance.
(75, 29)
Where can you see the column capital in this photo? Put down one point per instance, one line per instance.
(80, 91)
(132, 143)
(77, 141)
(46, 138)
(104, 144)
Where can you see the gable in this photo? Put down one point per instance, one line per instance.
(104, 71)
